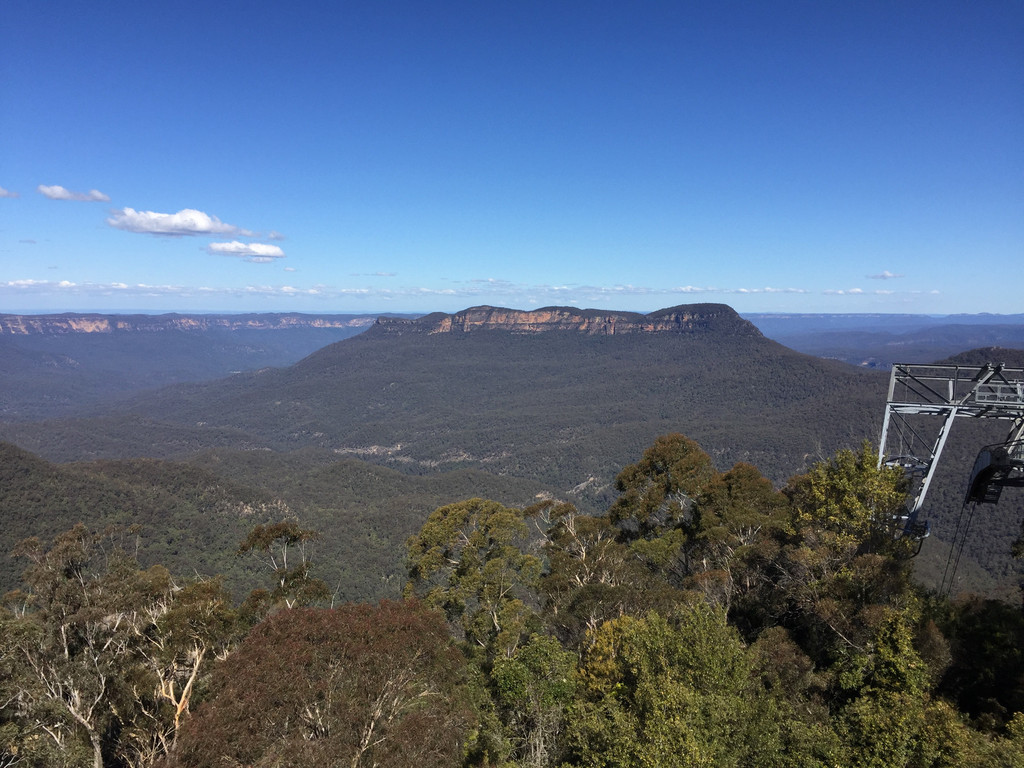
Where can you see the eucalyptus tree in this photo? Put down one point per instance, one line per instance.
(477, 562)
(105, 656)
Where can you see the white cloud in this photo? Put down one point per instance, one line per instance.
(7, 193)
(886, 275)
(185, 222)
(57, 192)
(256, 253)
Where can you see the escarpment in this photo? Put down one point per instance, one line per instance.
(690, 318)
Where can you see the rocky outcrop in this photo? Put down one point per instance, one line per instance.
(51, 325)
(689, 318)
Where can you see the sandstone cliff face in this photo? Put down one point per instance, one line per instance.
(692, 318)
(17, 325)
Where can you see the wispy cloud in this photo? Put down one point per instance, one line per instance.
(464, 293)
(57, 192)
(186, 222)
(84, 289)
(8, 193)
(766, 289)
(886, 275)
(858, 292)
(257, 253)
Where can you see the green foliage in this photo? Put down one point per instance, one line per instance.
(1003, 752)
(849, 497)
(661, 693)
(103, 658)
(592, 576)
(838, 567)
(660, 492)
(891, 719)
(470, 561)
(533, 688)
(736, 539)
(293, 584)
(700, 529)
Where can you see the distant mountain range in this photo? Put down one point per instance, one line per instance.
(63, 365)
(556, 400)
(878, 340)
(50, 325)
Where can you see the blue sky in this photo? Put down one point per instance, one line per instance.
(414, 156)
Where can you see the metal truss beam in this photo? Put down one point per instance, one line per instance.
(911, 435)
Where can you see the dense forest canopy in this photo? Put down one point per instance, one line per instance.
(704, 619)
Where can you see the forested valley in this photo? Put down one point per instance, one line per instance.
(704, 619)
(482, 539)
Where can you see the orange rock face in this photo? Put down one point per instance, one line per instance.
(682, 319)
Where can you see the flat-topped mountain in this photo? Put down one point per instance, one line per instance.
(563, 396)
(694, 318)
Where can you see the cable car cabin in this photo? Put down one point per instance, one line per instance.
(996, 467)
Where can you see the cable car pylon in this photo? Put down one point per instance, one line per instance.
(923, 403)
